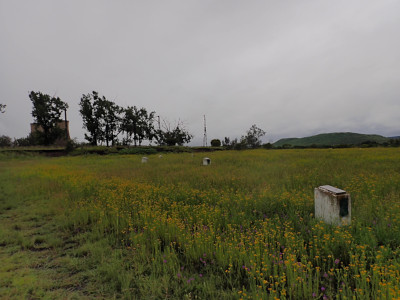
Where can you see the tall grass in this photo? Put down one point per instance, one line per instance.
(242, 227)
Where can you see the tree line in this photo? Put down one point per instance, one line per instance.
(252, 140)
(108, 123)
(104, 121)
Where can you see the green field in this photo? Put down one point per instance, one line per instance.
(93, 227)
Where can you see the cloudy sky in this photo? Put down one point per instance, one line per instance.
(293, 68)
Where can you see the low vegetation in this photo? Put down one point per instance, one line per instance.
(243, 227)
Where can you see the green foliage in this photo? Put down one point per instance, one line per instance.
(215, 143)
(394, 142)
(206, 149)
(90, 112)
(173, 149)
(46, 113)
(104, 120)
(253, 137)
(138, 125)
(71, 146)
(251, 140)
(241, 145)
(267, 146)
(101, 150)
(111, 121)
(172, 136)
(41, 138)
(5, 141)
(233, 144)
(101, 118)
(139, 150)
(26, 141)
(226, 142)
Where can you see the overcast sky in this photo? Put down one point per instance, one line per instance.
(293, 68)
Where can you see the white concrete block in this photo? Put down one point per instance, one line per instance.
(206, 161)
(332, 205)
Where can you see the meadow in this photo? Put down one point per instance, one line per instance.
(240, 228)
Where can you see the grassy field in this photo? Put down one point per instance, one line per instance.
(243, 227)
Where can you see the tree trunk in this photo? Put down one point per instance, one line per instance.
(107, 135)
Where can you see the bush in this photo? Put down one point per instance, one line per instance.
(71, 145)
(5, 141)
(267, 146)
(25, 142)
(173, 149)
(240, 146)
(138, 150)
(101, 150)
(215, 143)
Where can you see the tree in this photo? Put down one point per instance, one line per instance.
(226, 142)
(91, 113)
(5, 141)
(47, 114)
(110, 121)
(251, 140)
(253, 137)
(172, 136)
(215, 143)
(137, 123)
(2, 108)
(101, 118)
(148, 126)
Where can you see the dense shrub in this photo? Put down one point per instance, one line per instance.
(215, 143)
(101, 150)
(5, 141)
(138, 150)
(25, 141)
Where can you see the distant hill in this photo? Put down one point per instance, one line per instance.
(337, 138)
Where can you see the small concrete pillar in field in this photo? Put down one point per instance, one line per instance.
(332, 205)
(144, 160)
(206, 161)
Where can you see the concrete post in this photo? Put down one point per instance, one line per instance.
(332, 205)
(206, 161)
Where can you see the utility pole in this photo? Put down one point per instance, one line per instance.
(66, 124)
(205, 133)
(159, 134)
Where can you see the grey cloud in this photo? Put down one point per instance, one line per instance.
(294, 68)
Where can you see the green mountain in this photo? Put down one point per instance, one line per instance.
(336, 138)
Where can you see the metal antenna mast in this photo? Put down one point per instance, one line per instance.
(66, 124)
(205, 133)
